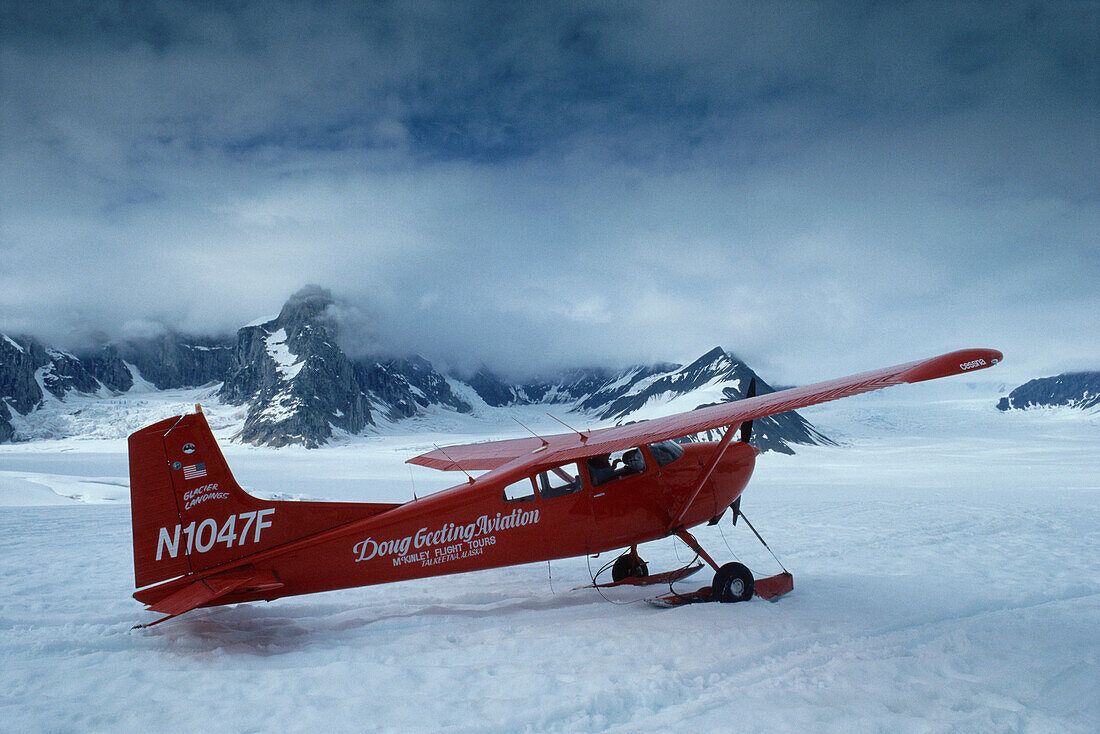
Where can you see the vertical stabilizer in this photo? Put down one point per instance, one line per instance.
(190, 515)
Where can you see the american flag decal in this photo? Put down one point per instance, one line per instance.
(194, 471)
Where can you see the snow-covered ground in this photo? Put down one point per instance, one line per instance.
(946, 579)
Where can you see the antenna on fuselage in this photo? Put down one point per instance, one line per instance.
(454, 462)
(545, 443)
(584, 436)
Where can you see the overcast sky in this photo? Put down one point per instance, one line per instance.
(820, 188)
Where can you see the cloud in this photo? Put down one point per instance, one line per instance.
(819, 188)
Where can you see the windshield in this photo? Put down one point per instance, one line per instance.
(666, 452)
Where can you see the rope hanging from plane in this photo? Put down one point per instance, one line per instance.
(599, 590)
(678, 578)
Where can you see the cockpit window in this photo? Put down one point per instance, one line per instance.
(521, 491)
(666, 452)
(560, 480)
(609, 467)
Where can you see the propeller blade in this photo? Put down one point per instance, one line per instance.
(746, 427)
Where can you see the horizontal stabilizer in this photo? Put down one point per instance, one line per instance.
(204, 591)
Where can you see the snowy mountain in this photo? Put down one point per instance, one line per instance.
(287, 381)
(649, 391)
(716, 377)
(31, 373)
(299, 385)
(1072, 389)
(33, 376)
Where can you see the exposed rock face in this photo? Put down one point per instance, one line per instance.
(26, 368)
(1073, 389)
(18, 361)
(300, 386)
(297, 382)
(7, 433)
(493, 390)
(175, 360)
(718, 374)
(108, 368)
(63, 372)
(401, 387)
(575, 385)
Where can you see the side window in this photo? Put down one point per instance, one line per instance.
(560, 480)
(521, 491)
(666, 452)
(609, 467)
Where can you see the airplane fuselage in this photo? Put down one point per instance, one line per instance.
(468, 527)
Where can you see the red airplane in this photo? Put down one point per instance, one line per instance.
(200, 540)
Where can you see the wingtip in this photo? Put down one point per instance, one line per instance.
(954, 363)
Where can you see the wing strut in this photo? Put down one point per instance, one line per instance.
(704, 475)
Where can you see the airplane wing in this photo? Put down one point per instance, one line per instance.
(478, 456)
(571, 446)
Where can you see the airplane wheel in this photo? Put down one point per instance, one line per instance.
(628, 565)
(732, 582)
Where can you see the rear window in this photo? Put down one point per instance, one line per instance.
(560, 480)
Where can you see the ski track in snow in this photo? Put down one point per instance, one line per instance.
(946, 579)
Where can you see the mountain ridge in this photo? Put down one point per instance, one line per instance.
(1070, 389)
(294, 384)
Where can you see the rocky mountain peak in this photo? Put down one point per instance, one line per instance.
(716, 356)
(306, 309)
(300, 386)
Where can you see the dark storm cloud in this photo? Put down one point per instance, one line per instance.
(817, 187)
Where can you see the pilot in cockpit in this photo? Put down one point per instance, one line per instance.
(633, 462)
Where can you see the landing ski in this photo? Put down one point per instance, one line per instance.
(668, 577)
(678, 600)
(769, 588)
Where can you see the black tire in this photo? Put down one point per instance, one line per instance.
(732, 583)
(626, 566)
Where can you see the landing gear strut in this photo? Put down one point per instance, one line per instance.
(732, 582)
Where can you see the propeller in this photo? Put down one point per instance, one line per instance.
(746, 427)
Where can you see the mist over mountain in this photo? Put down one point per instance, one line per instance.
(296, 384)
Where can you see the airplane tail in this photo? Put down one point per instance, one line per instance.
(191, 519)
